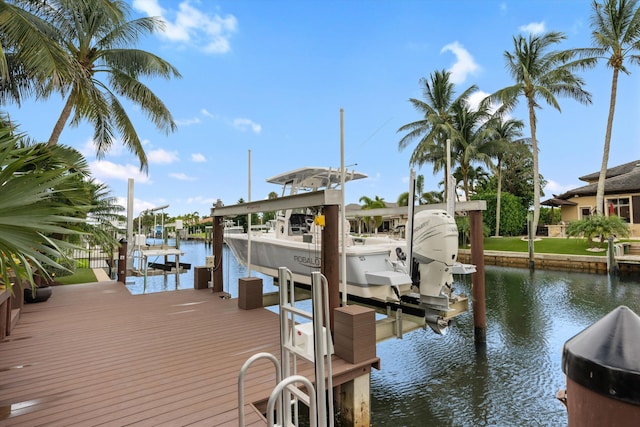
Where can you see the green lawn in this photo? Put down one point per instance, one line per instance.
(82, 275)
(549, 245)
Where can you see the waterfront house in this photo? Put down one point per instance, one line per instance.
(621, 197)
(390, 224)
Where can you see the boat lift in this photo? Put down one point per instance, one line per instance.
(145, 257)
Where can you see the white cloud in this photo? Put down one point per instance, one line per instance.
(533, 28)
(150, 7)
(162, 157)
(190, 26)
(477, 97)
(464, 64)
(138, 205)
(198, 158)
(241, 124)
(104, 170)
(554, 187)
(182, 177)
(208, 114)
(188, 122)
(89, 149)
(244, 124)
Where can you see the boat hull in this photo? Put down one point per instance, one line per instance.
(370, 273)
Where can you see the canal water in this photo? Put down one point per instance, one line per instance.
(431, 380)
(195, 253)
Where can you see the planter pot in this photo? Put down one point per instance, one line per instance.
(39, 294)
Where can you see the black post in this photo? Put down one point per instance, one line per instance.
(122, 261)
(531, 234)
(478, 290)
(611, 260)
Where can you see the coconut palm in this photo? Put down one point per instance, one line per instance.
(376, 203)
(423, 197)
(98, 36)
(437, 122)
(540, 74)
(469, 143)
(506, 138)
(616, 38)
(31, 62)
(403, 199)
(104, 215)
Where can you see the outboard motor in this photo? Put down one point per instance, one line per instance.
(435, 248)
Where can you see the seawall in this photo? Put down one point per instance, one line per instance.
(582, 263)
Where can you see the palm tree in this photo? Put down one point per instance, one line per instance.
(506, 138)
(541, 74)
(31, 62)
(34, 217)
(97, 36)
(268, 216)
(378, 202)
(423, 197)
(469, 144)
(403, 199)
(431, 197)
(616, 36)
(101, 221)
(437, 124)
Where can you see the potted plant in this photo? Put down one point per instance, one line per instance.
(40, 292)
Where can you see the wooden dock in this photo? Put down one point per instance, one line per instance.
(94, 354)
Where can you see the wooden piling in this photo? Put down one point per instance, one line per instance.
(331, 258)
(218, 237)
(477, 278)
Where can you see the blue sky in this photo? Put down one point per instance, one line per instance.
(272, 76)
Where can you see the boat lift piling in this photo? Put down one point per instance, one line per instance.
(477, 278)
(330, 259)
(218, 238)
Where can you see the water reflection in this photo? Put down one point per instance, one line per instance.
(445, 381)
(431, 380)
(195, 253)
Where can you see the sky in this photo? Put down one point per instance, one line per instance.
(263, 83)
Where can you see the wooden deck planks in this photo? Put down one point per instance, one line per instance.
(96, 355)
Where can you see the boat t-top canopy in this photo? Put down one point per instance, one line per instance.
(313, 178)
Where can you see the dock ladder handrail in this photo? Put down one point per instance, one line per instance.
(286, 393)
(321, 341)
(241, 376)
(288, 384)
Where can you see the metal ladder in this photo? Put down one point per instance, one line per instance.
(283, 401)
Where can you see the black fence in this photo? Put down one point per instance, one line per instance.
(95, 257)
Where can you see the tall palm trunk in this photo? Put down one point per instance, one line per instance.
(498, 196)
(62, 120)
(607, 144)
(465, 184)
(536, 174)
